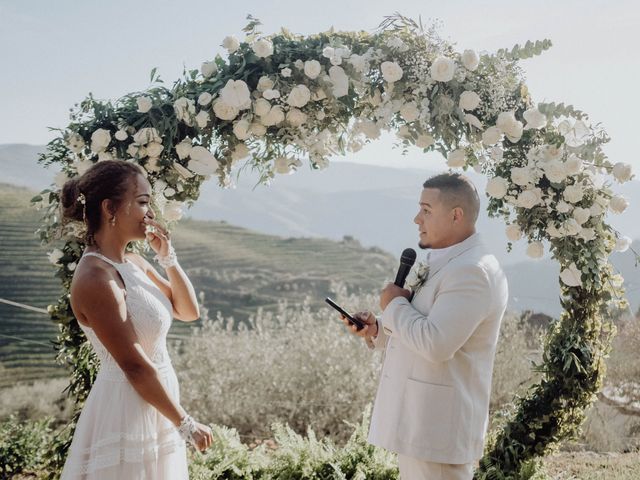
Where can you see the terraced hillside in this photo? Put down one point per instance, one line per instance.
(238, 271)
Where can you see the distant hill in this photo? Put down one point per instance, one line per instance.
(238, 270)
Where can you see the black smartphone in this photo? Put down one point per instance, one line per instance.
(354, 321)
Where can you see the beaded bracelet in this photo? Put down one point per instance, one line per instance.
(169, 260)
(187, 428)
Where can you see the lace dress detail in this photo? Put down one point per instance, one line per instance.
(119, 435)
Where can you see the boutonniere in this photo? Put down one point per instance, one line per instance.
(418, 276)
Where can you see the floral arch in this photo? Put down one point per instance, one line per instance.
(278, 99)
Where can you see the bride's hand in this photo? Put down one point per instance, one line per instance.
(202, 437)
(159, 239)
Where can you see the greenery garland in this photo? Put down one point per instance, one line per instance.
(277, 100)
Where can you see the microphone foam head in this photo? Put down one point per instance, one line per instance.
(408, 256)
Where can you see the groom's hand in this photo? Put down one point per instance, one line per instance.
(390, 292)
(370, 325)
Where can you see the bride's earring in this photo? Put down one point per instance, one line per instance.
(112, 221)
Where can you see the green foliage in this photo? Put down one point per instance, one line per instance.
(530, 49)
(22, 445)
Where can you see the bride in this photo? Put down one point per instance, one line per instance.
(132, 425)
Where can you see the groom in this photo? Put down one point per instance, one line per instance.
(432, 403)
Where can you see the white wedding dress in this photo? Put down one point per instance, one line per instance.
(119, 435)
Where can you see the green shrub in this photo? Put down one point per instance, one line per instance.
(22, 445)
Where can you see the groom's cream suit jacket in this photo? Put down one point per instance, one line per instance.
(433, 398)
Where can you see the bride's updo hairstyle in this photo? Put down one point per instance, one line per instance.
(82, 196)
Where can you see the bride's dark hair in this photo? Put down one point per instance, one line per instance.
(82, 196)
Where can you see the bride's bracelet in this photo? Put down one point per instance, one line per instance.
(187, 428)
(169, 260)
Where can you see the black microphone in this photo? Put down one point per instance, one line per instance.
(407, 260)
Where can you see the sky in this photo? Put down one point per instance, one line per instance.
(52, 53)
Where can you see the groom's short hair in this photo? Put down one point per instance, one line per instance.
(456, 190)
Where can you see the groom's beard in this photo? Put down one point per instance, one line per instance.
(423, 246)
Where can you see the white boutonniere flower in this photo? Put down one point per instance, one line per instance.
(418, 276)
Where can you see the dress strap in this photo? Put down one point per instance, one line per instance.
(102, 257)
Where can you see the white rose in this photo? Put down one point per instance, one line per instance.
(271, 94)
(571, 276)
(497, 187)
(152, 165)
(184, 108)
(183, 149)
(82, 166)
(535, 119)
(299, 96)
(204, 99)
(555, 171)
(552, 231)
(491, 136)
(457, 158)
(623, 244)
(424, 140)
(496, 153)
(403, 132)
(573, 193)
(339, 80)
(470, 60)
(241, 151)
(224, 111)
(231, 43)
(622, 172)
(265, 83)
(391, 71)
(147, 135)
(241, 129)
(513, 232)
(75, 143)
(573, 165)
(202, 119)
(285, 72)
(618, 204)
(136, 151)
(172, 211)
(262, 48)
(71, 266)
(154, 149)
(409, 111)
(535, 250)
(521, 176)
(236, 94)
(261, 107)
(596, 210)
(359, 63)
(443, 69)
(469, 100)
(296, 117)
(581, 215)
(144, 104)
(258, 129)
(55, 256)
(274, 117)
(100, 140)
(321, 115)
(552, 153)
(563, 207)
(299, 64)
(370, 129)
(473, 121)
(282, 165)
(529, 198)
(511, 127)
(208, 68)
(312, 69)
(202, 161)
(121, 135)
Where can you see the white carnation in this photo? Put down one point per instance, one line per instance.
(573, 193)
(469, 100)
(497, 187)
(391, 71)
(443, 69)
(144, 104)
